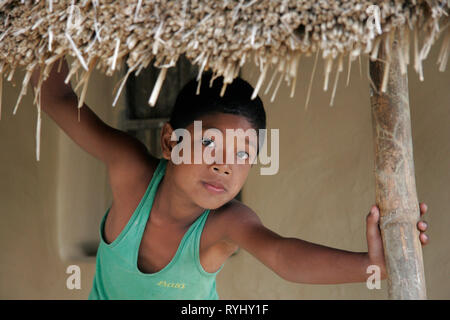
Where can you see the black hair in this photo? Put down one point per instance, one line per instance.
(190, 106)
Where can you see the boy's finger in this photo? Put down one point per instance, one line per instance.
(422, 226)
(424, 238)
(423, 208)
(373, 215)
(373, 231)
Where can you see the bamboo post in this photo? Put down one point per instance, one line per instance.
(395, 188)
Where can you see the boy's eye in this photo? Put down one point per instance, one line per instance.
(242, 154)
(207, 142)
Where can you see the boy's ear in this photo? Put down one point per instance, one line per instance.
(166, 143)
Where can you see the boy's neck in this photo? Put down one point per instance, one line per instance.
(179, 211)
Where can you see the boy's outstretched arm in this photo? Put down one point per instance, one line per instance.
(301, 261)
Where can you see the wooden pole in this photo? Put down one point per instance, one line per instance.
(395, 188)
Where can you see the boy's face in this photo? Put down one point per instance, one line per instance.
(237, 148)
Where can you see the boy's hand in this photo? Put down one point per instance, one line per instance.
(375, 243)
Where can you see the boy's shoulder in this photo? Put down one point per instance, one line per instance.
(232, 214)
(240, 226)
(233, 209)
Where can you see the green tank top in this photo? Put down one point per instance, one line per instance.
(118, 277)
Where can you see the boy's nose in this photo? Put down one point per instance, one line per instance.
(222, 169)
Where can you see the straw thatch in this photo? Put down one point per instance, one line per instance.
(215, 35)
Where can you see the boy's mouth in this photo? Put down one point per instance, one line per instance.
(214, 187)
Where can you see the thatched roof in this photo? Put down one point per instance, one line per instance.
(215, 35)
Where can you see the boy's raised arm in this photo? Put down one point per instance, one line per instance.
(59, 101)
